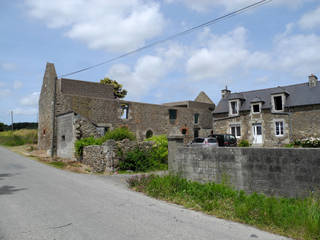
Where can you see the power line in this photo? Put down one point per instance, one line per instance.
(211, 22)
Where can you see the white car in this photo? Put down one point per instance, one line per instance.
(209, 141)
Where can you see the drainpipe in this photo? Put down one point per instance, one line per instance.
(53, 116)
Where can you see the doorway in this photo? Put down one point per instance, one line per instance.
(257, 133)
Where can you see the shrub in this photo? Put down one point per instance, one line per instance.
(160, 148)
(308, 142)
(138, 160)
(243, 143)
(117, 134)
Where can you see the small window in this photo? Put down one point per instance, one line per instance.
(278, 103)
(149, 134)
(196, 118)
(234, 107)
(172, 114)
(256, 108)
(124, 111)
(236, 130)
(44, 132)
(184, 131)
(279, 128)
(63, 138)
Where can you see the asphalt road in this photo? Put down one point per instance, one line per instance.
(40, 202)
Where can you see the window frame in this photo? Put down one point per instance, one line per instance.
(175, 111)
(196, 117)
(124, 111)
(236, 128)
(274, 102)
(281, 128)
(237, 102)
(252, 108)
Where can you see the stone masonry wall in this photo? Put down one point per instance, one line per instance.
(273, 171)
(142, 117)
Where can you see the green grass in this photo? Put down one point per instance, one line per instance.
(296, 218)
(58, 164)
(19, 137)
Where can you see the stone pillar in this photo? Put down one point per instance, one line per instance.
(175, 140)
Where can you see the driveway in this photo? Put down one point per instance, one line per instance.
(41, 202)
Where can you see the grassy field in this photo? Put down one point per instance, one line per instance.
(295, 218)
(19, 137)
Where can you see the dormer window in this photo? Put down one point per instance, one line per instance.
(234, 108)
(256, 108)
(278, 103)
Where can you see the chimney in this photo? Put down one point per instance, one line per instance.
(313, 80)
(225, 92)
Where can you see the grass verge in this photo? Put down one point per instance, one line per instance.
(19, 137)
(296, 218)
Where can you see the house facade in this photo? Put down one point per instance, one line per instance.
(270, 117)
(72, 109)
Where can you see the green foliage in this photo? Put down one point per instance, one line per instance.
(160, 148)
(117, 87)
(117, 134)
(138, 160)
(19, 137)
(244, 143)
(57, 164)
(298, 218)
(307, 142)
(18, 126)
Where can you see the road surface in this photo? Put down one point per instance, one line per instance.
(40, 202)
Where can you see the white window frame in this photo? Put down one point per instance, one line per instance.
(237, 107)
(236, 125)
(273, 102)
(275, 128)
(260, 105)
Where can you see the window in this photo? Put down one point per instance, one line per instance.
(184, 131)
(256, 108)
(63, 138)
(236, 130)
(234, 108)
(196, 133)
(196, 118)
(124, 111)
(172, 114)
(278, 103)
(279, 128)
(149, 134)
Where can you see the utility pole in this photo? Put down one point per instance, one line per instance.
(11, 120)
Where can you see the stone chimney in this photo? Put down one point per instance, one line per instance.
(225, 92)
(313, 80)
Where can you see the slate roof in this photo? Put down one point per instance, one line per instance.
(86, 89)
(297, 95)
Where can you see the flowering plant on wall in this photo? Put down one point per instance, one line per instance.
(312, 142)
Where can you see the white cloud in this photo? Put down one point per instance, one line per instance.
(30, 100)
(205, 5)
(7, 66)
(2, 84)
(17, 84)
(148, 71)
(110, 25)
(223, 55)
(311, 19)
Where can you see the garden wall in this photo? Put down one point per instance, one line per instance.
(273, 171)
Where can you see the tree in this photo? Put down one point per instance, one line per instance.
(117, 87)
(2, 127)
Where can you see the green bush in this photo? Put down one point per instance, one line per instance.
(297, 218)
(244, 143)
(160, 148)
(307, 142)
(117, 134)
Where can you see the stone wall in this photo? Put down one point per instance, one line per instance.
(105, 158)
(273, 171)
(299, 122)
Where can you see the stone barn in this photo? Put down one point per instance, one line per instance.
(72, 109)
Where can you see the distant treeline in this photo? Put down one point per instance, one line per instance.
(18, 126)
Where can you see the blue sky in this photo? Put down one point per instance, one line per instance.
(272, 45)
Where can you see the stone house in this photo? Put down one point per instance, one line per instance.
(73, 109)
(271, 117)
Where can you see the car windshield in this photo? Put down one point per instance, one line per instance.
(212, 140)
(198, 140)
